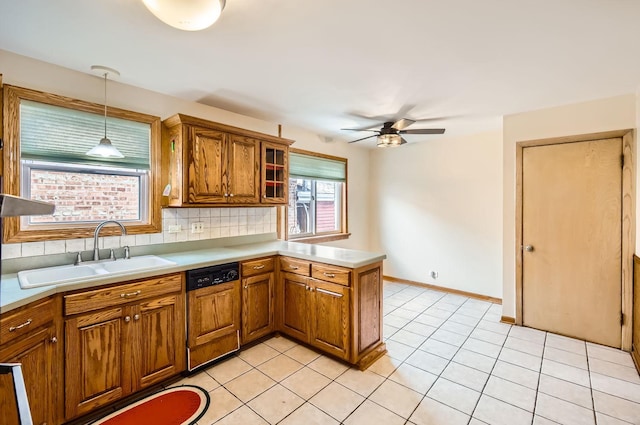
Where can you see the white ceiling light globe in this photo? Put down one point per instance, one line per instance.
(188, 15)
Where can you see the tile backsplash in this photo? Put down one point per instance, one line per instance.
(216, 223)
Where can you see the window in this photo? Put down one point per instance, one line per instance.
(317, 197)
(48, 136)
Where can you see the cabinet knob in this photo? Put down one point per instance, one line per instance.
(226, 194)
(231, 194)
(136, 317)
(529, 248)
(53, 340)
(127, 319)
(246, 286)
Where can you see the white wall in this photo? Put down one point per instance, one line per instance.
(437, 205)
(26, 72)
(615, 113)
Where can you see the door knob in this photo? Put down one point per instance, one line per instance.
(528, 248)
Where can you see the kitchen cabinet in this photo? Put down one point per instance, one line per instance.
(30, 336)
(335, 309)
(208, 163)
(122, 339)
(258, 286)
(214, 322)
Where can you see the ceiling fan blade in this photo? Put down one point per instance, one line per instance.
(423, 131)
(364, 138)
(358, 129)
(402, 123)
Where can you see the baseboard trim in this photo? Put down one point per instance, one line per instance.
(635, 355)
(445, 289)
(508, 320)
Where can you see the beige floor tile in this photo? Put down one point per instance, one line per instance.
(614, 370)
(482, 347)
(397, 398)
(511, 393)
(302, 354)
(306, 382)
(443, 305)
(398, 350)
(565, 343)
(609, 354)
(516, 374)
(427, 361)
(372, 414)
(279, 367)
(228, 369)
(438, 312)
(258, 354)
(308, 414)
(474, 360)
(431, 412)
(280, 343)
(388, 330)
(408, 338)
(439, 348)
(385, 366)
(528, 347)
(470, 312)
(275, 403)
(221, 403)
(414, 378)
(465, 320)
(602, 419)
(362, 382)
(458, 328)
(520, 359)
(328, 367)
(337, 401)
(496, 412)
(616, 407)
(200, 379)
(475, 421)
(465, 375)
(405, 313)
(497, 327)
(566, 390)
(429, 320)
(249, 385)
(528, 334)
(562, 411)
(244, 416)
(395, 320)
(566, 372)
(449, 337)
(566, 357)
(616, 387)
(539, 420)
(454, 395)
(488, 336)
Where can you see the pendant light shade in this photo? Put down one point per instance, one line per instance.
(105, 149)
(187, 15)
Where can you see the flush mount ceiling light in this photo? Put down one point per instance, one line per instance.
(390, 140)
(105, 149)
(188, 15)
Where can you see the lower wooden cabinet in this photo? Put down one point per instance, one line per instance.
(39, 350)
(257, 306)
(113, 352)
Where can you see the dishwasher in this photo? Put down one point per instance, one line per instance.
(213, 313)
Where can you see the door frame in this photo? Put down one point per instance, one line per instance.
(628, 219)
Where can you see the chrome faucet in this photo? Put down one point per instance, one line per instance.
(96, 233)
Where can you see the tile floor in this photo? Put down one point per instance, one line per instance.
(450, 361)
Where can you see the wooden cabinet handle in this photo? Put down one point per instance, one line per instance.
(20, 326)
(260, 267)
(333, 294)
(329, 274)
(131, 294)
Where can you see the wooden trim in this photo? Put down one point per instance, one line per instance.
(12, 231)
(322, 238)
(628, 219)
(508, 320)
(1, 132)
(445, 289)
(635, 355)
(318, 155)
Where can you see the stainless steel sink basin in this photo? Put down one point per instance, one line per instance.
(70, 274)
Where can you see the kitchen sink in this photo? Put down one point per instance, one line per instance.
(69, 274)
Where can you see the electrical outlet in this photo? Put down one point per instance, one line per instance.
(197, 227)
(176, 228)
(434, 274)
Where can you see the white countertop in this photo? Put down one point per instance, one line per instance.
(12, 296)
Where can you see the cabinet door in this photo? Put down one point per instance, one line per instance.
(329, 307)
(38, 354)
(295, 321)
(244, 170)
(207, 181)
(159, 346)
(257, 306)
(96, 373)
(275, 173)
(213, 312)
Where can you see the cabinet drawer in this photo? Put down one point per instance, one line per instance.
(20, 323)
(121, 294)
(251, 268)
(333, 274)
(293, 265)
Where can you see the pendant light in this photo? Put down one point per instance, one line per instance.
(105, 149)
(187, 15)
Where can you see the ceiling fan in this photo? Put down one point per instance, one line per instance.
(390, 133)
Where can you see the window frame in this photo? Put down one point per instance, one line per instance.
(13, 229)
(343, 232)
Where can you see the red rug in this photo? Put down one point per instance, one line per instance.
(182, 405)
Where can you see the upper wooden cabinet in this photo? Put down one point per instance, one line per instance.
(207, 163)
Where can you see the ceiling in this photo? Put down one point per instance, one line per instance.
(326, 65)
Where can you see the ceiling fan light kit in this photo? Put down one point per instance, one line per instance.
(390, 140)
(390, 133)
(187, 15)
